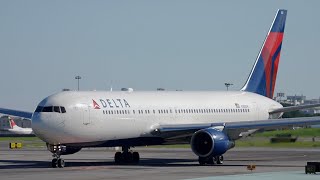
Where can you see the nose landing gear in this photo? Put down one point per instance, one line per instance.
(126, 156)
(56, 153)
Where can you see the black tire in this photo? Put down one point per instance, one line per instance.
(54, 163)
(61, 163)
(118, 157)
(210, 160)
(128, 157)
(202, 161)
(219, 159)
(135, 157)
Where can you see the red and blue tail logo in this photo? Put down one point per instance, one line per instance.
(263, 76)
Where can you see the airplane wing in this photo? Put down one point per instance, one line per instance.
(293, 108)
(234, 130)
(17, 113)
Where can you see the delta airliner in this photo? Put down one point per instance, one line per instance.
(209, 121)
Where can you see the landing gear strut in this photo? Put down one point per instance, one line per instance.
(56, 153)
(210, 160)
(126, 156)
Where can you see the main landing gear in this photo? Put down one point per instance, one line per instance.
(56, 153)
(211, 160)
(126, 156)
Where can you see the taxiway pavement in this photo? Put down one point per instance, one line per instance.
(163, 163)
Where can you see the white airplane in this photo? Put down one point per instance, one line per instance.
(14, 128)
(18, 130)
(209, 121)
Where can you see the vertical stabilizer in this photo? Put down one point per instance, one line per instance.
(263, 75)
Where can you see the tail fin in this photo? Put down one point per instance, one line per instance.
(13, 125)
(263, 75)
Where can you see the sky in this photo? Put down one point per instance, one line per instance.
(182, 44)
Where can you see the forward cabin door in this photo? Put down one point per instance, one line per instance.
(86, 115)
(82, 111)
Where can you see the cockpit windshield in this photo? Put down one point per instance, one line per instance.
(58, 109)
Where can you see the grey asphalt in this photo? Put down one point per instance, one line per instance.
(34, 163)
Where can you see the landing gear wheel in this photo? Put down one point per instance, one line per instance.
(61, 163)
(206, 160)
(56, 153)
(54, 163)
(126, 156)
(219, 159)
(210, 161)
(202, 161)
(135, 157)
(118, 157)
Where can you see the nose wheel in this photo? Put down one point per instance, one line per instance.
(57, 163)
(56, 150)
(126, 157)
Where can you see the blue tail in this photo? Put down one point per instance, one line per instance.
(263, 75)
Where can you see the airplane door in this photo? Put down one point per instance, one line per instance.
(83, 113)
(86, 115)
(257, 110)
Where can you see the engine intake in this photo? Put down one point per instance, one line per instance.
(210, 142)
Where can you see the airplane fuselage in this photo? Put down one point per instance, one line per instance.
(93, 116)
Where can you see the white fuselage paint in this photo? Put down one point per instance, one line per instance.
(83, 122)
(24, 131)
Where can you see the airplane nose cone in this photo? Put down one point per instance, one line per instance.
(47, 127)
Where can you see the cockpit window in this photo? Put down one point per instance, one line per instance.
(47, 109)
(63, 110)
(58, 109)
(39, 109)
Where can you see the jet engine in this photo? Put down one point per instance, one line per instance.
(210, 142)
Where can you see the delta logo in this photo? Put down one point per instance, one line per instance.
(110, 103)
(95, 105)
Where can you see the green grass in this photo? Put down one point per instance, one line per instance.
(302, 132)
(258, 140)
(256, 143)
(266, 143)
(170, 146)
(19, 139)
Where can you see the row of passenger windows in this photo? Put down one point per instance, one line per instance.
(58, 109)
(179, 111)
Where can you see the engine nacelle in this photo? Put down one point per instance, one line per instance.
(210, 142)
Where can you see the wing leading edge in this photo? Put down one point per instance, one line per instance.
(234, 130)
(17, 113)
